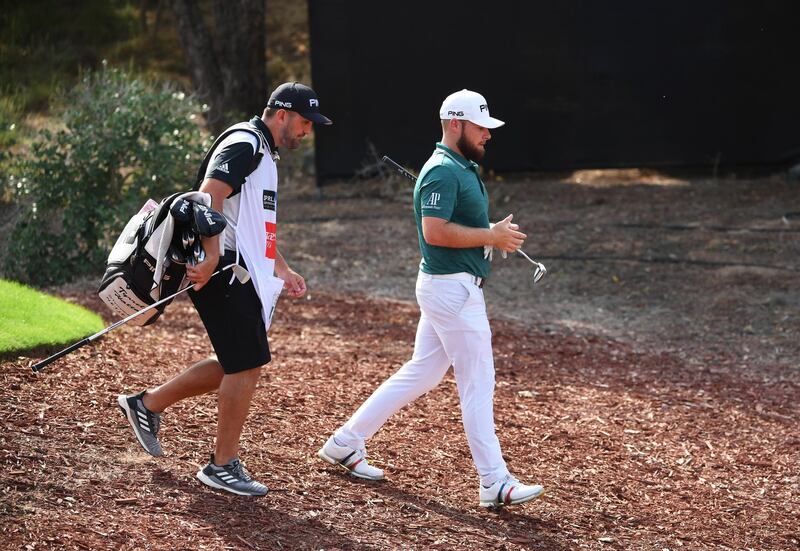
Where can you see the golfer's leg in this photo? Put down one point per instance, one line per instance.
(235, 393)
(422, 373)
(204, 376)
(470, 348)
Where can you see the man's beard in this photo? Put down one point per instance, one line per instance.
(469, 151)
(289, 140)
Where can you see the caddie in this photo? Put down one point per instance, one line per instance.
(240, 174)
(451, 208)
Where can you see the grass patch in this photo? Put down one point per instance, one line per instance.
(32, 319)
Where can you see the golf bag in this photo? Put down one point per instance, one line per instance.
(142, 267)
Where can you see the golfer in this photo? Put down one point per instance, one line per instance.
(451, 208)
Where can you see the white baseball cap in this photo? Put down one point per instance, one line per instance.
(467, 105)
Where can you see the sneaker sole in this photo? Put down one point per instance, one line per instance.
(328, 459)
(494, 505)
(123, 405)
(201, 476)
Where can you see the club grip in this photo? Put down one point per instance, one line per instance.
(47, 361)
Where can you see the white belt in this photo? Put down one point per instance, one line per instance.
(460, 276)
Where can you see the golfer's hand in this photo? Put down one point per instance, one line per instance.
(506, 235)
(294, 284)
(200, 273)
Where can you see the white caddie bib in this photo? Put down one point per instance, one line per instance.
(257, 232)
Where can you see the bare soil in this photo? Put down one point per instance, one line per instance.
(649, 382)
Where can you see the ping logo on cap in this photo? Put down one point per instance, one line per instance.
(299, 98)
(468, 105)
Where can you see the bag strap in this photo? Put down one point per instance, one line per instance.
(241, 127)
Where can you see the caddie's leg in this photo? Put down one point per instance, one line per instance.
(235, 393)
(225, 471)
(422, 373)
(143, 410)
(203, 377)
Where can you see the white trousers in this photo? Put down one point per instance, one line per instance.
(453, 330)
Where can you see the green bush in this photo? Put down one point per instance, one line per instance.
(123, 141)
(10, 115)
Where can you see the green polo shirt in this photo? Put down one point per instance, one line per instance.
(449, 187)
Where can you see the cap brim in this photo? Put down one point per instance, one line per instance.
(490, 122)
(318, 118)
(485, 122)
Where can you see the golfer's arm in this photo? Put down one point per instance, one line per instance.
(219, 191)
(442, 233)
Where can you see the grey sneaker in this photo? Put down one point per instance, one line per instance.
(144, 422)
(232, 478)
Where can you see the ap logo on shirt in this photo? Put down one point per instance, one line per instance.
(433, 201)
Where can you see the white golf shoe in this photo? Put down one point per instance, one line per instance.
(508, 491)
(353, 461)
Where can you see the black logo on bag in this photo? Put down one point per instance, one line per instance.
(269, 200)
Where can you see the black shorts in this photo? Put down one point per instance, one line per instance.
(232, 317)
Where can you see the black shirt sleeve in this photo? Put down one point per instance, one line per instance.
(231, 163)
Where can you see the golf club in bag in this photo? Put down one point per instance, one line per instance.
(239, 271)
(539, 270)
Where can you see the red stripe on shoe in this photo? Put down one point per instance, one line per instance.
(508, 495)
(352, 466)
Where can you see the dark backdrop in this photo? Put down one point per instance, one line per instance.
(579, 83)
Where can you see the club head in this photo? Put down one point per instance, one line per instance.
(539, 272)
(181, 211)
(198, 253)
(206, 221)
(176, 255)
(192, 247)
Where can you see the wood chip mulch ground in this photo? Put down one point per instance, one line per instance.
(636, 450)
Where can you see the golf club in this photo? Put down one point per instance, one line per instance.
(197, 254)
(181, 211)
(398, 168)
(538, 272)
(176, 254)
(206, 221)
(240, 272)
